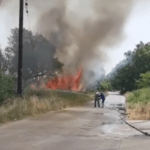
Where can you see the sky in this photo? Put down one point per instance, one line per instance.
(136, 29)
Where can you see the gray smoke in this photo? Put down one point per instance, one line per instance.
(83, 42)
(82, 35)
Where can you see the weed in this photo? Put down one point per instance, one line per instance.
(38, 102)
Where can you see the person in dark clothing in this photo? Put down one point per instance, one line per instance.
(97, 99)
(103, 99)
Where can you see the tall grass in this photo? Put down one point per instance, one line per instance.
(38, 102)
(142, 95)
(139, 104)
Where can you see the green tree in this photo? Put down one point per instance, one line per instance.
(125, 74)
(104, 85)
(38, 55)
(144, 80)
(6, 86)
(3, 62)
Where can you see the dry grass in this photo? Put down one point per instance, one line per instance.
(139, 111)
(138, 104)
(38, 102)
(126, 95)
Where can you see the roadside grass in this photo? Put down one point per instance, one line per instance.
(39, 101)
(138, 103)
(126, 95)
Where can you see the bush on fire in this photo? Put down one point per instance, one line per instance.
(6, 86)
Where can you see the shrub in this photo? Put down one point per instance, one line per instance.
(105, 86)
(142, 96)
(6, 86)
(144, 80)
(139, 104)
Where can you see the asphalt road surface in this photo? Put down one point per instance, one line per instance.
(79, 128)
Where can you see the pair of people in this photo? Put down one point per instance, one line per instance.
(98, 96)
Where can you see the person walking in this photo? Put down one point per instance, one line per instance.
(97, 98)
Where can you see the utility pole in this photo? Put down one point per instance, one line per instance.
(20, 49)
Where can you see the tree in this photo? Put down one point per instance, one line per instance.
(105, 86)
(124, 76)
(3, 62)
(6, 86)
(38, 55)
(144, 80)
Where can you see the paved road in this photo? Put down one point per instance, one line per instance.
(80, 128)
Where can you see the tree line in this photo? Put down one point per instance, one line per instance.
(129, 74)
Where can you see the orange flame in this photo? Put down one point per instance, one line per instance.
(66, 82)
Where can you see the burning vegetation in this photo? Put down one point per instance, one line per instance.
(67, 82)
(82, 35)
(80, 32)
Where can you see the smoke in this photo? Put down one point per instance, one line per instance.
(83, 40)
(82, 32)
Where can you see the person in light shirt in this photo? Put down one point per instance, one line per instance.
(97, 99)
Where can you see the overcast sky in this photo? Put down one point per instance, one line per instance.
(137, 29)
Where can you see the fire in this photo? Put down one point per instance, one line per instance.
(67, 82)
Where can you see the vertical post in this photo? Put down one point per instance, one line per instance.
(20, 50)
